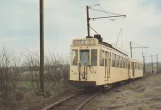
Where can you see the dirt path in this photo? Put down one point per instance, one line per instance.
(144, 94)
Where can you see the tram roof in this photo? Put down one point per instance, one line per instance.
(113, 46)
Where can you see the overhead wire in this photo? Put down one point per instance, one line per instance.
(104, 11)
(138, 44)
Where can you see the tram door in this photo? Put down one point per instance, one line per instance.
(107, 65)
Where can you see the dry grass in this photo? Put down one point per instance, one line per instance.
(19, 78)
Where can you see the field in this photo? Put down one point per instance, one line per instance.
(19, 85)
(142, 94)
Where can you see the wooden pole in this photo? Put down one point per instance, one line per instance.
(131, 49)
(157, 62)
(152, 63)
(42, 45)
(143, 63)
(88, 19)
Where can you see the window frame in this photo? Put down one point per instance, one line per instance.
(74, 64)
(88, 55)
(95, 57)
(113, 60)
(101, 58)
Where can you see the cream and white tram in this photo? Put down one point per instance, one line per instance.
(97, 63)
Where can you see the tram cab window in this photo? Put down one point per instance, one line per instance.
(101, 58)
(74, 57)
(84, 57)
(94, 57)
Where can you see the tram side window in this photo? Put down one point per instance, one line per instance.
(142, 66)
(74, 57)
(121, 62)
(135, 65)
(94, 57)
(117, 60)
(128, 64)
(101, 58)
(139, 66)
(113, 59)
(125, 63)
(132, 65)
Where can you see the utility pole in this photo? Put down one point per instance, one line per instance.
(42, 46)
(131, 49)
(88, 20)
(143, 63)
(152, 63)
(157, 62)
(135, 47)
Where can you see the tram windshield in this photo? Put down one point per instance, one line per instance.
(84, 57)
(74, 57)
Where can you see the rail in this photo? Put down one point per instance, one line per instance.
(62, 100)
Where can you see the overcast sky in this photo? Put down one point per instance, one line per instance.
(66, 19)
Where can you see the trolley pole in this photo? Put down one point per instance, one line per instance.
(157, 62)
(131, 49)
(152, 63)
(143, 63)
(42, 46)
(88, 21)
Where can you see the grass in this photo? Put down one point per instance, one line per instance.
(35, 85)
(26, 84)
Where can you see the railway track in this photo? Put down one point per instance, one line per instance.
(78, 99)
(73, 102)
